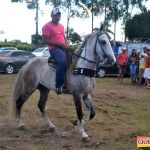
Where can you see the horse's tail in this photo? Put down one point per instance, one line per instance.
(17, 91)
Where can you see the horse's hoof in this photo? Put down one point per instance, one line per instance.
(85, 139)
(21, 127)
(75, 123)
(52, 129)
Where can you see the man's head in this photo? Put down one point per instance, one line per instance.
(55, 15)
(148, 51)
(133, 50)
(124, 50)
(145, 49)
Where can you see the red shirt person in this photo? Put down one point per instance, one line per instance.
(122, 60)
(147, 69)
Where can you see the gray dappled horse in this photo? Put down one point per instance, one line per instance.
(80, 77)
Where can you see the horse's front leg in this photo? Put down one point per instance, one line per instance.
(88, 103)
(77, 101)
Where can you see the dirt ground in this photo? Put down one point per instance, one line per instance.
(122, 113)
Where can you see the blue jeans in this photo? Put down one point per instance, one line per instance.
(133, 70)
(59, 56)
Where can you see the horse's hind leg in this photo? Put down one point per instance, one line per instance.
(19, 103)
(42, 102)
(88, 103)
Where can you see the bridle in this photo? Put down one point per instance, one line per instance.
(86, 71)
(97, 40)
(100, 43)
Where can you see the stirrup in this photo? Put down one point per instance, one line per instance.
(62, 90)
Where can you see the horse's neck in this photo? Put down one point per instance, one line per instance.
(89, 54)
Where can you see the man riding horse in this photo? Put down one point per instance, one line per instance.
(53, 35)
(80, 76)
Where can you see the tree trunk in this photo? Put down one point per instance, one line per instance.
(114, 30)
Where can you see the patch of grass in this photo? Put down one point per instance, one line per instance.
(6, 89)
(140, 111)
(122, 113)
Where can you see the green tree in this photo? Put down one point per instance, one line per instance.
(113, 10)
(138, 27)
(74, 37)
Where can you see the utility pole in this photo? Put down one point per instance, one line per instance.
(36, 36)
(92, 16)
(37, 17)
(33, 4)
(68, 17)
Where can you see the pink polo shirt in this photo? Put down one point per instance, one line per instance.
(54, 32)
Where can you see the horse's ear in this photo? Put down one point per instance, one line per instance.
(101, 29)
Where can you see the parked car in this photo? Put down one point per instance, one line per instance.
(7, 48)
(41, 51)
(107, 70)
(12, 61)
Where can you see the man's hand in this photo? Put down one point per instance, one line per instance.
(113, 63)
(105, 61)
(63, 45)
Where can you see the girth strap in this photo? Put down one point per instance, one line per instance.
(85, 72)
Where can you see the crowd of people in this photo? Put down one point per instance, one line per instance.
(139, 64)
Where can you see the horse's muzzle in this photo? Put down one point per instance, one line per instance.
(111, 61)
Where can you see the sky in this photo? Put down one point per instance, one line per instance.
(18, 22)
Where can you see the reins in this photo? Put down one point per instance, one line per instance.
(90, 61)
(86, 59)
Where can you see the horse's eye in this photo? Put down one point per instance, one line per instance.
(103, 42)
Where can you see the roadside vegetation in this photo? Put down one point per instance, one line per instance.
(20, 46)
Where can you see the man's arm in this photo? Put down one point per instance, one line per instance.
(46, 41)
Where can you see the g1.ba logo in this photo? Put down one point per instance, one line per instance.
(143, 141)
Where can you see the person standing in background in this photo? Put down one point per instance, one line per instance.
(142, 61)
(133, 61)
(147, 69)
(122, 60)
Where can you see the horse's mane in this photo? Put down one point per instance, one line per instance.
(73, 56)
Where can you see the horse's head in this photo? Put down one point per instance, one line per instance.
(103, 47)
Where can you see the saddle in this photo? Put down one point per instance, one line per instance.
(51, 63)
